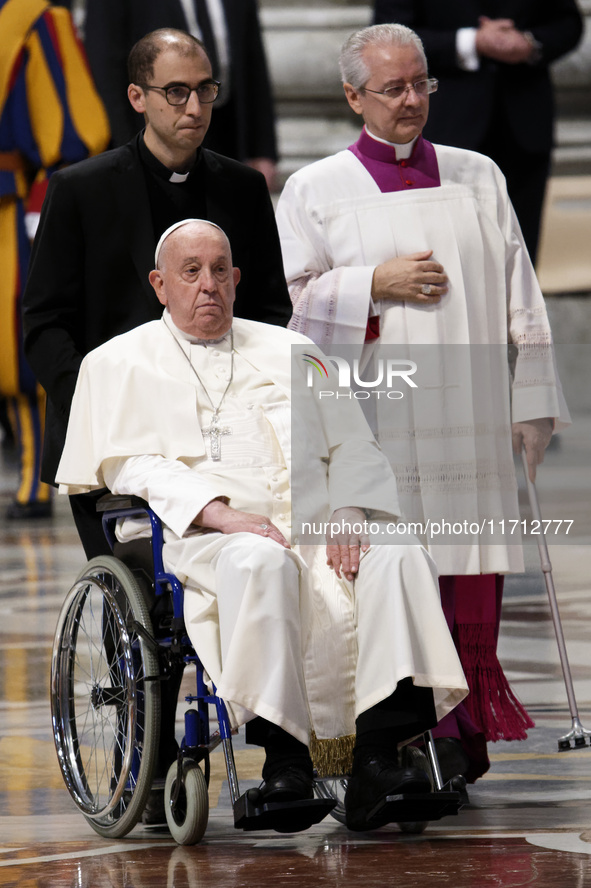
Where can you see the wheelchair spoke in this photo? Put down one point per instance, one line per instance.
(106, 715)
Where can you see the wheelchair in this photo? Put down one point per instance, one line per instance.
(120, 636)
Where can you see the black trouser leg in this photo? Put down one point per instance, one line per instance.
(526, 173)
(406, 713)
(281, 748)
(89, 523)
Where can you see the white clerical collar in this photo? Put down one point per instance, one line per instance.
(179, 177)
(403, 150)
(180, 334)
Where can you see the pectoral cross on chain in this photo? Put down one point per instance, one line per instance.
(214, 433)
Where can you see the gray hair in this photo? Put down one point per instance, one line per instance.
(354, 69)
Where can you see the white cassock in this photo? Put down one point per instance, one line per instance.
(448, 441)
(278, 634)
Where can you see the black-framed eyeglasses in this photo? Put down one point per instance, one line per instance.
(421, 87)
(178, 94)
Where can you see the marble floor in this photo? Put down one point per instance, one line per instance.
(528, 821)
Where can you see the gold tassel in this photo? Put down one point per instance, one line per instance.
(332, 758)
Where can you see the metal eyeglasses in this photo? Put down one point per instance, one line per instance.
(421, 87)
(178, 94)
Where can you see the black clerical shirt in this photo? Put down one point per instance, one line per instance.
(171, 201)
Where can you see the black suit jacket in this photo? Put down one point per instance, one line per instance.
(243, 128)
(88, 275)
(462, 111)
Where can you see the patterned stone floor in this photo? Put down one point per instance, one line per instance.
(528, 821)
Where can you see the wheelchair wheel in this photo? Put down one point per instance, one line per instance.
(105, 703)
(333, 788)
(187, 817)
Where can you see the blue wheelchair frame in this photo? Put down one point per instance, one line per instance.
(250, 812)
(197, 733)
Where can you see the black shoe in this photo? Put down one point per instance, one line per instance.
(453, 761)
(27, 511)
(453, 764)
(290, 784)
(154, 813)
(373, 778)
(283, 802)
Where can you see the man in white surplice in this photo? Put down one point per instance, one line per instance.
(395, 241)
(195, 414)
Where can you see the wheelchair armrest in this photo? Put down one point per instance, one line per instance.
(114, 506)
(111, 502)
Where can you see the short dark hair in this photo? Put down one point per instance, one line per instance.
(140, 63)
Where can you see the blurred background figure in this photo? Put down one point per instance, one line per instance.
(7, 440)
(243, 121)
(492, 59)
(50, 115)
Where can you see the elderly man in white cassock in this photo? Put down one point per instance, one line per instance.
(398, 242)
(194, 413)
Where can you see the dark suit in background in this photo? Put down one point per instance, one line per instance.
(503, 110)
(243, 122)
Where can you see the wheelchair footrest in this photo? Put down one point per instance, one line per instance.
(284, 817)
(414, 807)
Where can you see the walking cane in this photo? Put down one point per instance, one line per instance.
(577, 732)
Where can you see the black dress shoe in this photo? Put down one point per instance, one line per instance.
(28, 511)
(153, 813)
(290, 784)
(453, 764)
(453, 761)
(284, 802)
(375, 777)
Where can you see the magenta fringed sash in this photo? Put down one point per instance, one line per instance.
(491, 703)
